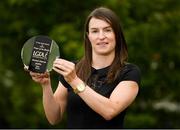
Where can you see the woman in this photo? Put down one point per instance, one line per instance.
(97, 90)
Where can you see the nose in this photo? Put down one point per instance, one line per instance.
(101, 35)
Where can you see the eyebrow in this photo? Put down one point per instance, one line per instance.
(97, 28)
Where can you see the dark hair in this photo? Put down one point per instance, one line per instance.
(83, 67)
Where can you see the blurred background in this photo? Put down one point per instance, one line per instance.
(152, 32)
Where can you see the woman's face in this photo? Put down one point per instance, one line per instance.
(102, 37)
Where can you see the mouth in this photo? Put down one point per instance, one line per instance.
(102, 43)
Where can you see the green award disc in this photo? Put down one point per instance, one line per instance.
(38, 54)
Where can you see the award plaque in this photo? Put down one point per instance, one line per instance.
(38, 54)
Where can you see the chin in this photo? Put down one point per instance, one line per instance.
(104, 53)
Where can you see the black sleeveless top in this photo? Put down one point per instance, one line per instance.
(79, 115)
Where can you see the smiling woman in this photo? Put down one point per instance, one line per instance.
(97, 90)
(102, 38)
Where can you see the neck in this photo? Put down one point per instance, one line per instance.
(102, 61)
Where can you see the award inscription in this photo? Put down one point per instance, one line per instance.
(40, 54)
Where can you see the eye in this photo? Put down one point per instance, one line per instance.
(108, 30)
(94, 31)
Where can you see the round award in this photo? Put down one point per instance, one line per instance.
(38, 54)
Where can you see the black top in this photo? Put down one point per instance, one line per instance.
(79, 115)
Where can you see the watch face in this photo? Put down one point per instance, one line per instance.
(81, 87)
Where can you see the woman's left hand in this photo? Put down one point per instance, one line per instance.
(65, 68)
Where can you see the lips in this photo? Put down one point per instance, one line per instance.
(102, 43)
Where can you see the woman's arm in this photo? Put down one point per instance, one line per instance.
(54, 104)
(122, 96)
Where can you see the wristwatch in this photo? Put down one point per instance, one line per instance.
(79, 88)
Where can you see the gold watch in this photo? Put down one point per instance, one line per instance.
(79, 88)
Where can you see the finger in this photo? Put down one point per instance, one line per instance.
(60, 71)
(34, 74)
(64, 62)
(64, 65)
(40, 78)
(43, 75)
(36, 79)
(46, 74)
(39, 75)
(62, 68)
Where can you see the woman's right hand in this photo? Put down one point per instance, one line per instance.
(42, 78)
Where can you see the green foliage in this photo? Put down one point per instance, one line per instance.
(152, 33)
(68, 38)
